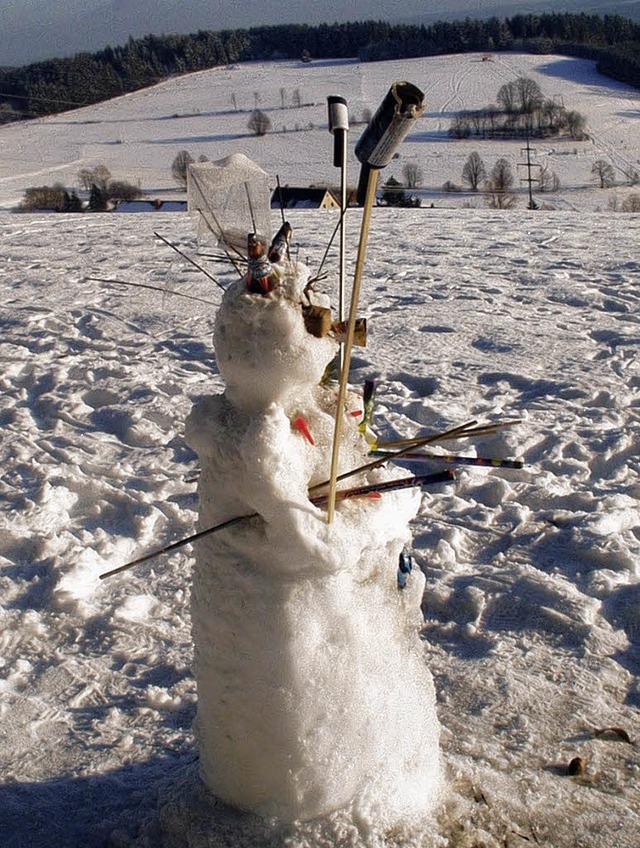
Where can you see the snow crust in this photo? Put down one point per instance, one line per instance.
(299, 625)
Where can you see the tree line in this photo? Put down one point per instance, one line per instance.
(521, 111)
(56, 85)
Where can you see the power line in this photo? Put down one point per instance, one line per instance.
(529, 179)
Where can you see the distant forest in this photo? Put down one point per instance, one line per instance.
(42, 88)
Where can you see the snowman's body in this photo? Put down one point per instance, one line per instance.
(313, 692)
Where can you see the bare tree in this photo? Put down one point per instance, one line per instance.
(460, 126)
(499, 184)
(283, 97)
(98, 176)
(474, 171)
(604, 172)
(85, 177)
(180, 166)
(102, 175)
(413, 176)
(576, 125)
(259, 123)
(548, 180)
(529, 95)
(507, 97)
(296, 98)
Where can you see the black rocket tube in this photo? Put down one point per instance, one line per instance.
(394, 118)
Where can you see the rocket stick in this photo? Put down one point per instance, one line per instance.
(393, 119)
(450, 435)
(455, 433)
(453, 459)
(348, 346)
(339, 126)
(317, 500)
(175, 545)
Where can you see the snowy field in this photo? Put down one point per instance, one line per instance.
(532, 605)
(138, 136)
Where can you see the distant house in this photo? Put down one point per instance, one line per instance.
(304, 198)
(151, 206)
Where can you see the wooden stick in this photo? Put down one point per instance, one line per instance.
(348, 346)
(481, 430)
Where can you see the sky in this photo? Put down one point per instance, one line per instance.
(31, 30)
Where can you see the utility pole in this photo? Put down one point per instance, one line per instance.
(529, 179)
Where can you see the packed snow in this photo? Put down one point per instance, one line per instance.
(297, 621)
(532, 598)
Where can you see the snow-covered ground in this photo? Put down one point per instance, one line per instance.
(532, 605)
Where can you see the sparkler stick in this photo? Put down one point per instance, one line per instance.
(392, 121)
(152, 288)
(189, 259)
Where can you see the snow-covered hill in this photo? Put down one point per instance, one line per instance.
(137, 136)
(532, 607)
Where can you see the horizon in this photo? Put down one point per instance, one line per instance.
(40, 31)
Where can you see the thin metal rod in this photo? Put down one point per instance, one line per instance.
(253, 220)
(318, 500)
(189, 259)
(281, 201)
(152, 288)
(343, 236)
(328, 247)
(175, 545)
(348, 347)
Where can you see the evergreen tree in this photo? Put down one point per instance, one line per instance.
(98, 199)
